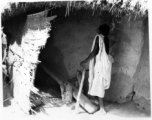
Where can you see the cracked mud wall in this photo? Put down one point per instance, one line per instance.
(73, 37)
(130, 73)
(72, 40)
(142, 75)
(126, 53)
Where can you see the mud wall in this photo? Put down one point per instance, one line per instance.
(130, 74)
(126, 53)
(142, 75)
(73, 39)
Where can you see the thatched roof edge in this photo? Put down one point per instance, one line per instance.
(139, 7)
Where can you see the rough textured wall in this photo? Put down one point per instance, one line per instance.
(130, 74)
(126, 53)
(142, 75)
(73, 39)
(72, 43)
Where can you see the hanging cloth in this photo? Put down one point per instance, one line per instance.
(99, 70)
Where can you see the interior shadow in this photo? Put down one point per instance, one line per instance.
(53, 56)
(13, 28)
(45, 83)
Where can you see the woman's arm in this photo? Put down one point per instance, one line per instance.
(93, 53)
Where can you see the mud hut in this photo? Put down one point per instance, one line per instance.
(44, 43)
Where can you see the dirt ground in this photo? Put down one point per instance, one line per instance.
(114, 110)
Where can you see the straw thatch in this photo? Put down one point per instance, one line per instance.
(24, 58)
(117, 7)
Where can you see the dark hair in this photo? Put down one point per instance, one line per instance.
(104, 29)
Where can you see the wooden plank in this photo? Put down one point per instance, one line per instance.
(80, 90)
(85, 102)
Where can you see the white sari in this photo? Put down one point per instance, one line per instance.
(99, 70)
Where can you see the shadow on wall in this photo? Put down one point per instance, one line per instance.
(13, 28)
(52, 55)
(70, 42)
(45, 83)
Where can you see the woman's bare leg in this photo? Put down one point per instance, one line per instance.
(102, 110)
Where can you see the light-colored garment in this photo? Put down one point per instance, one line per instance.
(99, 70)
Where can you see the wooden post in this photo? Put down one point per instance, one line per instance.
(80, 90)
(24, 58)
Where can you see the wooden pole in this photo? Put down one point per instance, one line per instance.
(80, 90)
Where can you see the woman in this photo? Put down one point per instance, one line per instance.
(100, 63)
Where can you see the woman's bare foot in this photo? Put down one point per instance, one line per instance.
(100, 112)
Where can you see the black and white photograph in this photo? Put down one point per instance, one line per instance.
(81, 60)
